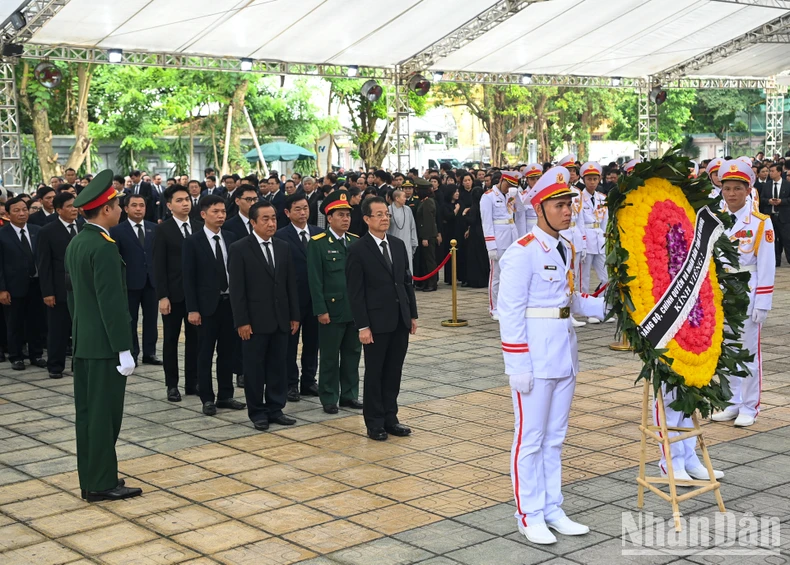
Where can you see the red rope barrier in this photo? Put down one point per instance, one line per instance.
(435, 271)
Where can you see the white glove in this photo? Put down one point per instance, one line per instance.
(584, 254)
(759, 316)
(521, 382)
(126, 361)
(493, 255)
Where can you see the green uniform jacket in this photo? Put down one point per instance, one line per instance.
(101, 324)
(326, 274)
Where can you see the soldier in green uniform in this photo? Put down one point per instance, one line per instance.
(338, 339)
(102, 340)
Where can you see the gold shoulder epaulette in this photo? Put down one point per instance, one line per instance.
(760, 216)
(319, 236)
(107, 237)
(352, 234)
(526, 240)
(489, 190)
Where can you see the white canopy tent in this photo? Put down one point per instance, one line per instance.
(625, 43)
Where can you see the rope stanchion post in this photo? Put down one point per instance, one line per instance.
(622, 345)
(454, 322)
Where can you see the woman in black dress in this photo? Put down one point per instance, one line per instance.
(477, 264)
(466, 183)
(450, 210)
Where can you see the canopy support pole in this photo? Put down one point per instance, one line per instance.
(774, 119)
(648, 123)
(10, 140)
(398, 112)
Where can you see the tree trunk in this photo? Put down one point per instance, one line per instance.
(42, 133)
(239, 124)
(82, 142)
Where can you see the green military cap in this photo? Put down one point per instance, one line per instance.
(98, 192)
(336, 200)
(422, 183)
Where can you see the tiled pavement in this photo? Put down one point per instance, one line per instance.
(321, 493)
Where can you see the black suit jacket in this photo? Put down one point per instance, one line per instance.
(784, 195)
(14, 271)
(194, 212)
(278, 201)
(237, 225)
(168, 267)
(139, 261)
(299, 256)
(312, 201)
(40, 219)
(218, 191)
(378, 297)
(260, 296)
(230, 206)
(201, 275)
(50, 258)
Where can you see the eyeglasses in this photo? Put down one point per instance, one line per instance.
(249, 199)
(381, 216)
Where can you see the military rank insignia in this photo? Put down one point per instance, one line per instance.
(769, 236)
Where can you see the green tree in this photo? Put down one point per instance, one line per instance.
(715, 110)
(366, 132)
(674, 116)
(582, 111)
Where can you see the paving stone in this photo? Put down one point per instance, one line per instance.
(443, 537)
(500, 551)
(386, 550)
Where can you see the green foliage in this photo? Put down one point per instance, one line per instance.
(657, 366)
(178, 154)
(715, 110)
(31, 171)
(674, 116)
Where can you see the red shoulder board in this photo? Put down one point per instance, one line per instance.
(526, 240)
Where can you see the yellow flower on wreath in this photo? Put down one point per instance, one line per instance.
(696, 369)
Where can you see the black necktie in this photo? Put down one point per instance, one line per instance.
(386, 254)
(140, 234)
(31, 269)
(194, 202)
(776, 190)
(185, 226)
(137, 189)
(72, 231)
(269, 258)
(561, 249)
(303, 235)
(220, 257)
(249, 227)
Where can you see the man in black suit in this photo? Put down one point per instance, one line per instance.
(193, 187)
(385, 312)
(212, 188)
(207, 294)
(45, 195)
(168, 269)
(775, 200)
(298, 234)
(50, 256)
(144, 189)
(313, 196)
(20, 293)
(229, 182)
(135, 240)
(245, 197)
(277, 198)
(265, 312)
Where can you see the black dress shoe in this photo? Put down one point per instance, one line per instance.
(173, 395)
(117, 493)
(398, 430)
(309, 390)
(330, 408)
(56, 375)
(18, 365)
(379, 434)
(151, 360)
(209, 409)
(39, 362)
(283, 420)
(293, 395)
(84, 493)
(240, 381)
(353, 403)
(261, 426)
(231, 403)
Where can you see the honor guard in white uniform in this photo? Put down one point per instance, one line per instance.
(575, 233)
(713, 172)
(754, 195)
(536, 300)
(596, 217)
(628, 168)
(531, 174)
(755, 235)
(500, 218)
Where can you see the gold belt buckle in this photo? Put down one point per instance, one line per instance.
(565, 312)
(596, 225)
(511, 221)
(573, 224)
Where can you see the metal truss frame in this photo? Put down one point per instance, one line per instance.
(10, 140)
(36, 14)
(465, 34)
(774, 120)
(398, 111)
(779, 4)
(647, 128)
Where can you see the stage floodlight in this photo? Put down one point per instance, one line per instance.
(617, 81)
(18, 20)
(115, 55)
(372, 91)
(246, 65)
(437, 76)
(526, 79)
(353, 71)
(419, 85)
(658, 95)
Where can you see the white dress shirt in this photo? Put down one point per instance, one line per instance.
(299, 231)
(378, 244)
(213, 244)
(261, 242)
(66, 224)
(180, 225)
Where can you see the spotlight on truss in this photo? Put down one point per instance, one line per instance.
(657, 95)
(246, 65)
(353, 71)
(419, 85)
(526, 79)
(437, 76)
(114, 55)
(617, 81)
(372, 91)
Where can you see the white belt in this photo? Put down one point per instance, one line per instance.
(596, 225)
(741, 269)
(555, 313)
(503, 222)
